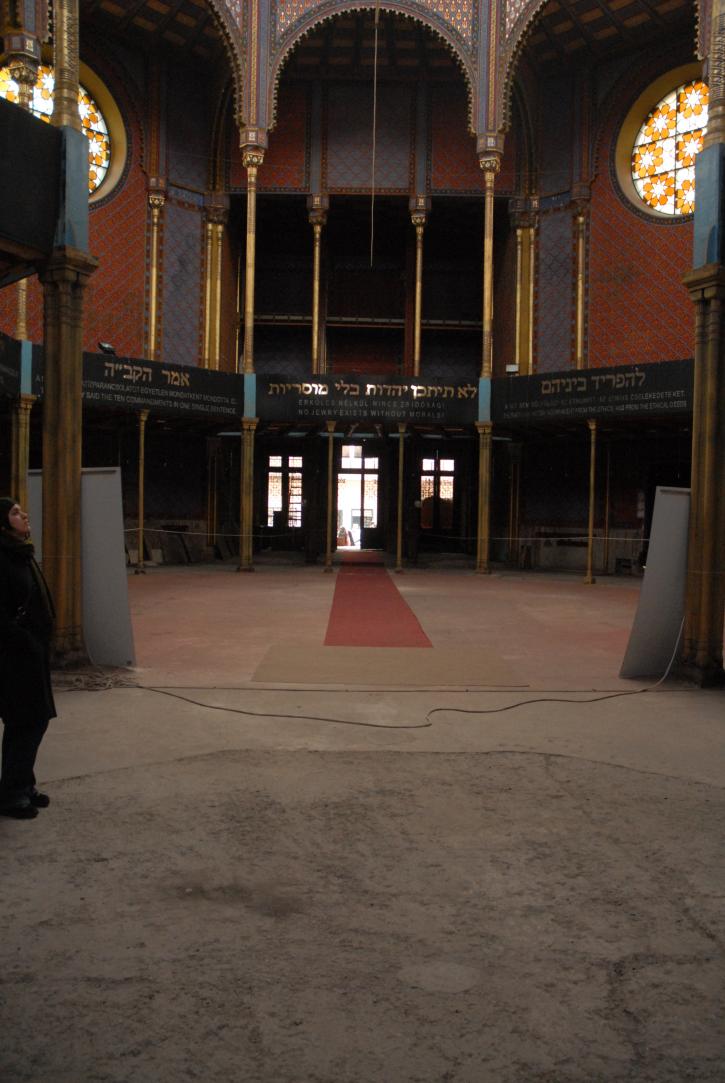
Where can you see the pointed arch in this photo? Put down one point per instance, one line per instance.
(304, 27)
(230, 18)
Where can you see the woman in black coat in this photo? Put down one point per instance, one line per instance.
(26, 695)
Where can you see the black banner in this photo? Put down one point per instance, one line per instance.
(9, 367)
(652, 390)
(365, 398)
(170, 389)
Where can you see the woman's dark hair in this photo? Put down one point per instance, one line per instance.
(6, 505)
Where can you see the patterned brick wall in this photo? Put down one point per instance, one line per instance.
(182, 287)
(187, 130)
(115, 297)
(348, 150)
(285, 163)
(556, 128)
(454, 164)
(638, 310)
(554, 298)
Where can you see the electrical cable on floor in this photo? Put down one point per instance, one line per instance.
(172, 692)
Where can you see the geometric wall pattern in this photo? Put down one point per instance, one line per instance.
(454, 165)
(350, 137)
(285, 160)
(181, 284)
(638, 310)
(554, 302)
(114, 301)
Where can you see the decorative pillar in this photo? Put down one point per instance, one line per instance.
(216, 215)
(419, 207)
(157, 199)
(483, 529)
(246, 495)
(490, 164)
(142, 419)
(580, 204)
(19, 448)
(702, 657)
(330, 493)
(589, 578)
(514, 451)
(64, 278)
(317, 206)
(524, 215)
(252, 158)
(401, 487)
(212, 488)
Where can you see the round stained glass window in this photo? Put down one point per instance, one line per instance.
(664, 152)
(93, 123)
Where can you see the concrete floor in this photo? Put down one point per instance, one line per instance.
(266, 860)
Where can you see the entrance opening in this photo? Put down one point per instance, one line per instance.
(357, 500)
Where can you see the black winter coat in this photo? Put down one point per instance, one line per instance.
(26, 625)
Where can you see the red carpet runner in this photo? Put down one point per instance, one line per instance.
(368, 611)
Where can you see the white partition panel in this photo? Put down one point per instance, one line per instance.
(658, 621)
(106, 616)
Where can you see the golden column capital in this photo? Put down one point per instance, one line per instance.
(24, 70)
(252, 157)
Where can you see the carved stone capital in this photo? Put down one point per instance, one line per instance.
(156, 200)
(489, 163)
(252, 156)
(216, 209)
(318, 205)
(524, 212)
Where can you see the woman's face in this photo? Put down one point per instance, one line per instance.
(19, 521)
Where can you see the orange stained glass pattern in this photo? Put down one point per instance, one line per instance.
(664, 152)
(92, 121)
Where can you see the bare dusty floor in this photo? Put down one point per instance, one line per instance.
(251, 878)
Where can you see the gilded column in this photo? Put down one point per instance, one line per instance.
(252, 159)
(143, 416)
(483, 530)
(419, 207)
(157, 199)
(215, 219)
(64, 278)
(702, 655)
(490, 164)
(19, 448)
(524, 213)
(317, 206)
(580, 232)
(246, 510)
(589, 578)
(65, 63)
(330, 493)
(514, 499)
(401, 488)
